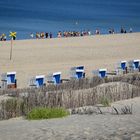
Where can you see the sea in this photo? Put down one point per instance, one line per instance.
(31, 16)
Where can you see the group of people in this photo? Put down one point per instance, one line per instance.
(73, 33)
(122, 30)
(43, 35)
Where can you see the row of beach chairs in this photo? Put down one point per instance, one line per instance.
(9, 79)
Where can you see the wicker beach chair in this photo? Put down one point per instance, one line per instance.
(102, 73)
(77, 72)
(54, 78)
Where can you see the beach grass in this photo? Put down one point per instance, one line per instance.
(46, 113)
(105, 101)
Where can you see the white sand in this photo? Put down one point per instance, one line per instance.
(35, 57)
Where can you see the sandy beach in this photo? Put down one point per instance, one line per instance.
(35, 57)
(77, 127)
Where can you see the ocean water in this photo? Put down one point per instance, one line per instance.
(26, 16)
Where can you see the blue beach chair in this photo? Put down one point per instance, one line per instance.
(77, 72)
(57, 77)
(11, 80)
(37, 81)
(54, 78)
(102, 73)
(40, 81)
(121, 67)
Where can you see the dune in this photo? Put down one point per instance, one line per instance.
(77, 127)
(44, 56)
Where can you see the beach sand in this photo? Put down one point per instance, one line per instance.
(35, 57)
(77, 127)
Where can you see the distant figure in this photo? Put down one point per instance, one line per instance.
(14, 37)
(130, 30)
(4, 37)
(122, 30)
(42, 35)
(50, 35)
(59, 34)
(97, 32)
(32, 35)
(110, 31)
(46, 34)
(113, 31)
(89, 32)
(125, 31)
(0, 37)
(37, 35)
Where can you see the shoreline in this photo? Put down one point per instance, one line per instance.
(103, 34)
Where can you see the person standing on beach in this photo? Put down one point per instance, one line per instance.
(122, 30)
(46, 34)
(50, 35)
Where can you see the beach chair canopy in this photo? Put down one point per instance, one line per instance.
(80, 67)
(40, 80)
(11, 78)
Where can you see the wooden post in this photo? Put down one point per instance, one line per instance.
(11, 48)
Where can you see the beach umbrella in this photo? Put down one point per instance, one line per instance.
(13, 36)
